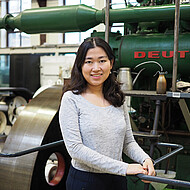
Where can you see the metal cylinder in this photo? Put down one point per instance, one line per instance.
(124, 77)
(52, 19)
(82, 17)
(145, 14)
(36, 126)
(154, 50)
(3, 107)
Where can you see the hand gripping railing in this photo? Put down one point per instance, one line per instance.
(174, 182)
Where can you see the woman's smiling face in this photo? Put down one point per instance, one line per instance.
(96, 67)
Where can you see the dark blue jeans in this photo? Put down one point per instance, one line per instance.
(81, 180)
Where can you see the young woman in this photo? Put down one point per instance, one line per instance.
(94, 126)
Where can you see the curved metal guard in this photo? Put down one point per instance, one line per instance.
(36, 126)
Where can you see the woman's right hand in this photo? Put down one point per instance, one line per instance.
(134, 169)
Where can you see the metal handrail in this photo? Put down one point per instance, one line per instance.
(177, 146)
(39, 148)
(173, 182)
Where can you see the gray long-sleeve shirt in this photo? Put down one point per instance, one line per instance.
(95, 137)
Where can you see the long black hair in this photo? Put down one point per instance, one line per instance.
(78, 84)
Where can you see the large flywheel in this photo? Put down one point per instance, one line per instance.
(36, 125)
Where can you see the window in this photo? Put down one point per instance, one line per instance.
(3, 31)
(15, 38)
(119, 4)
(4, 70)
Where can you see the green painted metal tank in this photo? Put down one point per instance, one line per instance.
(154, 52)
(82, 17)
(52, 19)
(130, 50)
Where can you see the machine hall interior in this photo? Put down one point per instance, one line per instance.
(39, 40)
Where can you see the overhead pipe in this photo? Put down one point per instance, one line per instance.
(81, 17)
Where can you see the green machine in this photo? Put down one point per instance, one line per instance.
(146, 48)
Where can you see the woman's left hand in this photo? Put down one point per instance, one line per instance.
(149, 167)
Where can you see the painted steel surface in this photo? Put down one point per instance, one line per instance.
(52, 19)
(137, 49)
(82, 17)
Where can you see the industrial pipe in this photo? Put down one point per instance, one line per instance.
(148, 14)
(52, 19)
(82, 17)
